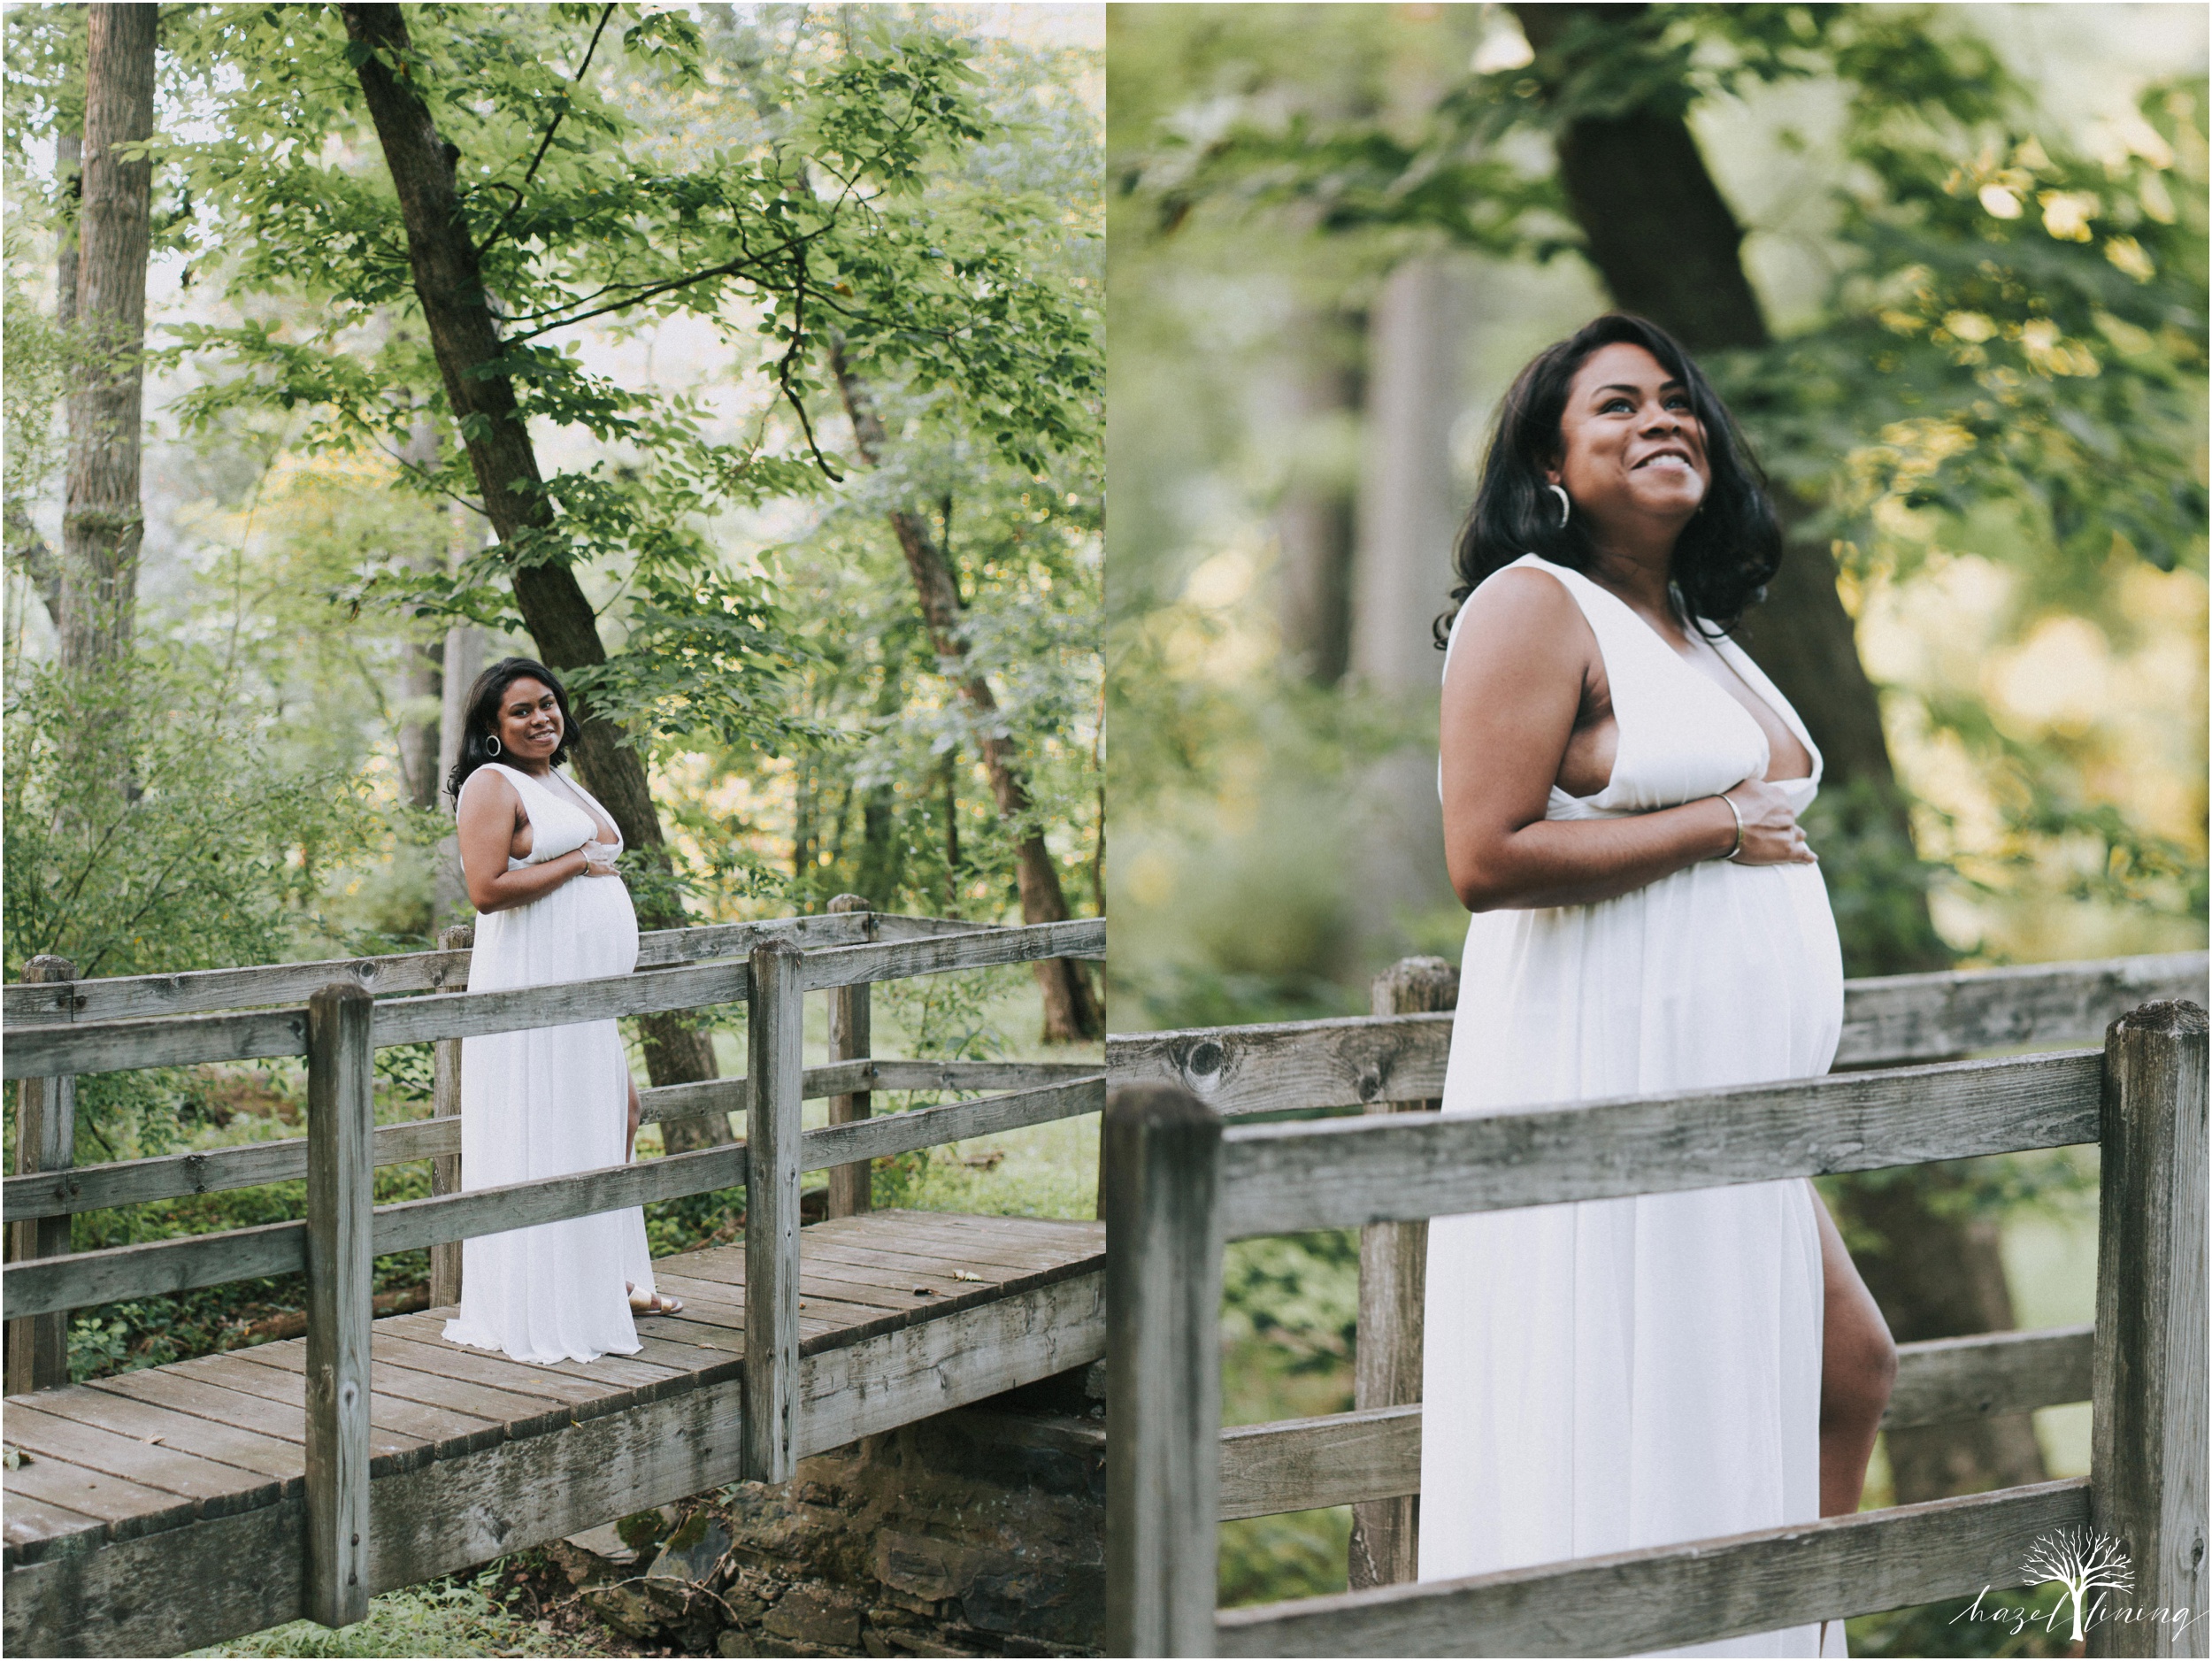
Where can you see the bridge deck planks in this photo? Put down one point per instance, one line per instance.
(128, 1457)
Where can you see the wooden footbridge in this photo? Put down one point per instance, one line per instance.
(1180, 1177)
(176, 1506)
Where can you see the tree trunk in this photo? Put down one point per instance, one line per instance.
(103, 523)
(24, 540)
(464, 335)
(1072, 1009)
(1314, 523)
(422, 690)
(1408, 510)
(1663, 239)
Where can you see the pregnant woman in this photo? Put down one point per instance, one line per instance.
(538, 852)
(1622, 788)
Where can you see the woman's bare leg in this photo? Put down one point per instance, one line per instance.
(629, 1144)
(1858, 1364)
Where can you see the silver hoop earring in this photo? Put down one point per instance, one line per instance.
(1566, 508)
(491, 745)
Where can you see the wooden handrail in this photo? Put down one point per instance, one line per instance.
(86, 1278)
(216, 1170)
(1177, 1184)
(1341, 1173)
(1633, 1602)
(201, 991)
(1892, 1021)
(1297, 1465)
(186, 1040)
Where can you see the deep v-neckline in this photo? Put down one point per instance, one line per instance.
(569, 797)
(1735, 703)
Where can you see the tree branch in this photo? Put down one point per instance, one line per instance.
(546, 143)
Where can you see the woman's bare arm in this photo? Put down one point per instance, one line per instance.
(486, 819)
(1519, 679)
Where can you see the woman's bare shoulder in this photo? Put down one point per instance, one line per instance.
(487, 790)
(1524, 613)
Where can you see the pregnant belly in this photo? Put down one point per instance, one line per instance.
(584, 930)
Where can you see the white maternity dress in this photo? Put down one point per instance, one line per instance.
(547, 1103)
(1610, 1374)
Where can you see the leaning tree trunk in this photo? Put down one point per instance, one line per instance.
(1662, 238)
(1072, 1010)
(464, 336)
(103, 523)
(422, 685)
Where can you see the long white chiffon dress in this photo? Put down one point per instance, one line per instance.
(1607, 1375)
(548, 1102)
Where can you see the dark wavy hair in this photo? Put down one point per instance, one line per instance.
(1725, 555)
(482, 718)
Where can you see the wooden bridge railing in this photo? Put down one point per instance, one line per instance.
(76, 1028)
(1177, 1184)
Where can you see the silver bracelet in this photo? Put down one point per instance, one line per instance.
(1735, 814)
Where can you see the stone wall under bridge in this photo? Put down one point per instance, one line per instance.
(981, 1532)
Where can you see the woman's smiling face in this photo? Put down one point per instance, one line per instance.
(1631, 446)
(529, 722)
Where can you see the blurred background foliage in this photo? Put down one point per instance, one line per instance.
(1947, 265)
(317, 585)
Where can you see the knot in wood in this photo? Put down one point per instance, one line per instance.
(1205, 1059)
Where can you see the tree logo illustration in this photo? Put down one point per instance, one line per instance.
(2083, 1561)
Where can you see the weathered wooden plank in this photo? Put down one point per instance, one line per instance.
(1907, 1018)
(1347, 1458)
(898, 960)
(445, 1167)
(32, 1525)
(86, 1278)
(166, 1387)
(954, 1121)
(1943, 1379)
(1296, 1464)
(2148, 1449)
(411, 1223)
(1393, 1260)
(1160, 1153)
(975, 1075)
(1635, 1602)
(45, 1144)
(412, 1429)
(176, 1041)
(144, 1422)
(40, 1052)
(217, 1488)
(848, 1390)
(736, 1095)
(126, 1508)
(518, 1414)
(140, 997)
(173, 1176)
(851, 1187)
(775, 1036)
(1284, 1179)
(1291, 1065)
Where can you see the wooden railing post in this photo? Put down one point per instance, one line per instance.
(445, 1170)
(2148, 1420)
(341, 1110)
(775, 1030)
(1394, 1264)
(849, 1187)
(45, 1139)
(1161, 1154)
